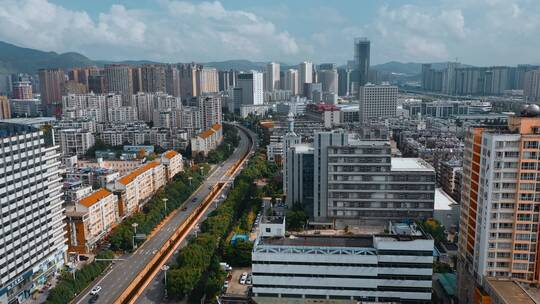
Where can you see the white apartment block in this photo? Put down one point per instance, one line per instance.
(272, 76)
(122, 114)
(74, 141)
(32, 242)
(291, 81)
(394, 267)
(173, 162)
(90, 219)
(252, 88)
(377, 101)
(207, 140)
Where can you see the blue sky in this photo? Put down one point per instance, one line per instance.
(480, 32)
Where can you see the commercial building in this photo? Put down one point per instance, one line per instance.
(499, 208)
(90, 219)
(33, 241)
(361, 61)
(299, 175)
(377, 101)
(329, 80)
(446, 108)
(252, 88)
(344, 81)
(393, 267)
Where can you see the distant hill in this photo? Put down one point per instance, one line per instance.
(17, 59)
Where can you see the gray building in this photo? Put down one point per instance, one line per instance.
(361, 60)
(377, 101)
(344, 78)
(299, 178)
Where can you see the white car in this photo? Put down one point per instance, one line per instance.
(95, 290)
(243, 278)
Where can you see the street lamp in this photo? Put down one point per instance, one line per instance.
(202, 169)
(190, 178)
(165, 268)
(134, 225)
(165, 202)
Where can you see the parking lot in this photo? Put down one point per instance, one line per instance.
(234, 284)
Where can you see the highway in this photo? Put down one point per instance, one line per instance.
(118, 278)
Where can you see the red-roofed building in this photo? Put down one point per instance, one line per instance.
(328, 114)
(207, 140)
(90, 219)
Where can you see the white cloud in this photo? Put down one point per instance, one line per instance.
(173, 31)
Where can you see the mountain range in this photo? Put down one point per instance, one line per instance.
(15, 59)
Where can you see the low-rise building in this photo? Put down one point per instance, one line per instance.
(173, 163)
(90, 219)
(207, 141)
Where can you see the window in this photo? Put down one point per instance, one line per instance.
(268, 230)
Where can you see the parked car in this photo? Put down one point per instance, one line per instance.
(243, 278)
(95, 290)
(248, 280)
(226, 285)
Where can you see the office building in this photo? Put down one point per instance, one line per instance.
(388, 267)
(119, 79)
(499, 205)
(377, 101)
(252, 88)
(299, 177)
(361, 61)
(344, 81)
(5, 108)
(289, 140)
(97, 84)
(272, 76)
(50, 87)
(22, 90)
(305, 75)
(32, 243)
(25, 107)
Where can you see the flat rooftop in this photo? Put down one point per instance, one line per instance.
(320, 241)
(31, 121)
(443, 201)
(410, 164)
(510, 292)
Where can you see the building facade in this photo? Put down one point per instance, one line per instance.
(377, 101)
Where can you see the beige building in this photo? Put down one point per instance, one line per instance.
(5, 109)
(207, 81)
(207, 140)
(173, 163)
(90, 219)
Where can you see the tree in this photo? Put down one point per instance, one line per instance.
(296, 218)
(141, 153)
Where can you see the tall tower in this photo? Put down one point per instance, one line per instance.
(289, 140)
(272, 76)
(305, 75)
(361, 60)
(50, 85)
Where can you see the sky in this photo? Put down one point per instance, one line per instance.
(478, 32)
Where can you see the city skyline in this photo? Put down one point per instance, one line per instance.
(405, 31)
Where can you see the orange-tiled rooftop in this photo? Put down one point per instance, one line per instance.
(133, 174)
(94, 197)
(170, 154)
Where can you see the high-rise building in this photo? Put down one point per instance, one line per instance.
(305, 75)
(50, 85)
(210, 108)
(499, 205)
(119, 79)
(291, 81)
(72, 87)
(172, 81)
(328, 77)
(5, 109)
(290, 139)
(188, 79)
(153, 78)
(22, 90)
(207, 81)
(74, 141)
(272, 76)
(137, 79)
(299, 176)
(377, 101)
(97, 84)
(344, 81)
(361, 60)
(82, 75)
(252, 88)
(531, 86)
(33, 241)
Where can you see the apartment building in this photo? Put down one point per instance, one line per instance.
(499, 205)
(74, 141)
(90, 219)
(392, 267)
(136, 188)
(377, 101)
(32, 242)
(207, 141)
(173, 163)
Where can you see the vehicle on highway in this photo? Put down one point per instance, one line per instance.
(184, 208)
(95, 290)
(194, 199)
